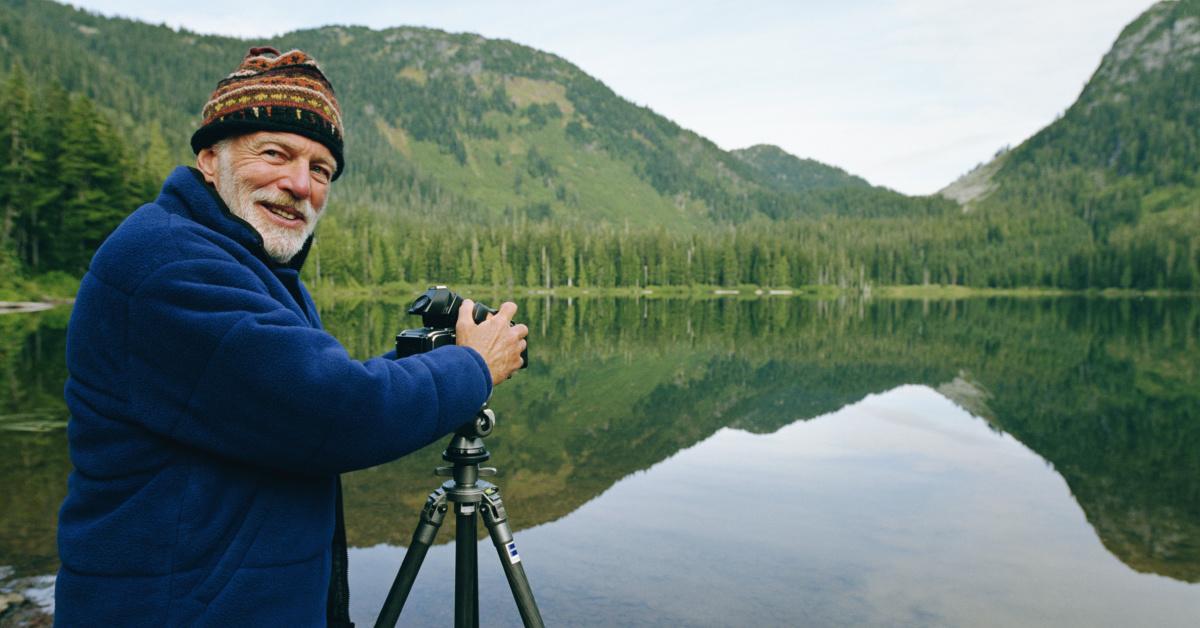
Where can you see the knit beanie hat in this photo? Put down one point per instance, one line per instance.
(274, 92)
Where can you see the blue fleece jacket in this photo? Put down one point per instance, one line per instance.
(210, 417)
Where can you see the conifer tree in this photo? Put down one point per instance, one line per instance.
(94, 175)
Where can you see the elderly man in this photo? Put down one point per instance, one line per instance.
(210, 414)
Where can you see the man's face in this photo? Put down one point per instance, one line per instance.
(277, 182)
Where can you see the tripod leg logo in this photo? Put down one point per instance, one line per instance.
(513, 556)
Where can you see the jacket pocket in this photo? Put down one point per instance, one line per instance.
(235, 554)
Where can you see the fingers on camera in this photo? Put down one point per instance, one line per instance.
(465, 310)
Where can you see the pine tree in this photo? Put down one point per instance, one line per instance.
(94, 172)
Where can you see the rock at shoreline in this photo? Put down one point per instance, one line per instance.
(17, 307)
(10, 599)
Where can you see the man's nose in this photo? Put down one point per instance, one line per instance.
(297, 180)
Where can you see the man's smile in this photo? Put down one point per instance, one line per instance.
(289, 214)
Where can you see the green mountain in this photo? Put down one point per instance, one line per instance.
(1118, 174)
(786, 172)
(489, 128)
(829, 189)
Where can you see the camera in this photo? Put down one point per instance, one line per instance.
(438, 308)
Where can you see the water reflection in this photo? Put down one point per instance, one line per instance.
(33, 445)
(1105, 393)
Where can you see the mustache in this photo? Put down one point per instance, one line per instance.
(283, 199)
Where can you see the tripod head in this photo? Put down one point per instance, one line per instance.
(466, 445)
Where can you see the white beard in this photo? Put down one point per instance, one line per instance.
(280, 243)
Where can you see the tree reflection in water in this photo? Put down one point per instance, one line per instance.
(1107, 391)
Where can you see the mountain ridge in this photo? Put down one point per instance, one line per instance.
(1113, 184)
(1163, 39)
(785, 171)
(506, 130)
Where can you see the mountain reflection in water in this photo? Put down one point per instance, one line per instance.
(1106, 392)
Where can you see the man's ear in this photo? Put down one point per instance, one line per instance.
(206, 163)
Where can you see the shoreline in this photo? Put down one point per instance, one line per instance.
(404, 292)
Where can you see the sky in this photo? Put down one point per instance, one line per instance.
(908, 94)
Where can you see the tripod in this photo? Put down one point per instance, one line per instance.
(470, 495)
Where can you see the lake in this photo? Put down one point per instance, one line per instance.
(769, 462)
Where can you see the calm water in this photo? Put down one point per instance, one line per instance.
(772, 462)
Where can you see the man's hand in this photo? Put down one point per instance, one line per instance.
(495, 339)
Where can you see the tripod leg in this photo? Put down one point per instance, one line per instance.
(496, 521)
(466, 567)
(431, 519)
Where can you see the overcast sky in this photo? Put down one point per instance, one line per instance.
(909, 94)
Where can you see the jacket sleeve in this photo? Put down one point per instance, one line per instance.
(218, 364)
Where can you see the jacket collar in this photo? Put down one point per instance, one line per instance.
(202, 203)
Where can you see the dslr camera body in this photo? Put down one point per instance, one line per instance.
(438, 308)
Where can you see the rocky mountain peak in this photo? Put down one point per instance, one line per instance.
(1167, 33)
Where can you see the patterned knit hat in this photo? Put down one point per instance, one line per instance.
(274, 92)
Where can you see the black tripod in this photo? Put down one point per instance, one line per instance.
(469, 495)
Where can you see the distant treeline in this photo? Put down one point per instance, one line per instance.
(362, 247)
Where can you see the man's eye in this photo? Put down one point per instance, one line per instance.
(321, 172)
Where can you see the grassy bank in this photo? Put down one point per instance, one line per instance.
(942, 292)
(404, 292)
(938, 292)
(59, 287)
